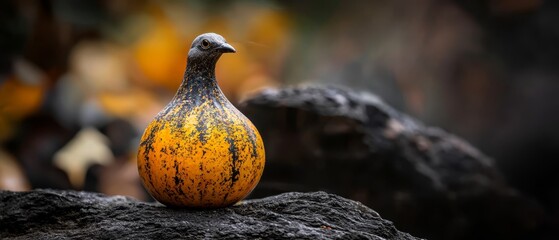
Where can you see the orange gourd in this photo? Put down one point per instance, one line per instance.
(200, 151)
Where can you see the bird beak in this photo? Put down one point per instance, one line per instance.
(226, 48)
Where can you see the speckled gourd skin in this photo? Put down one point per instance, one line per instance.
(200, 151)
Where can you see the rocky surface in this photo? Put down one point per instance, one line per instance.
(49, 214)
(429, 182)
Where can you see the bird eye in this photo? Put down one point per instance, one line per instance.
(205, 44)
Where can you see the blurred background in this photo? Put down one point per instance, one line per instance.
(80, 80)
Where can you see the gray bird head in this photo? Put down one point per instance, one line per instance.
(209, 47)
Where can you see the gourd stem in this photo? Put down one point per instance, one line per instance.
(199, 82)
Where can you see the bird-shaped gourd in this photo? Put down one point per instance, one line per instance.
(200, 151)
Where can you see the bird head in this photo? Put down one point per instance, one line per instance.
(209, 47)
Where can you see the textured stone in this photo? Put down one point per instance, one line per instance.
(429, 182)
(49, 214)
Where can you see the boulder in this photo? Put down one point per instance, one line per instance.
(56, 214)
(429, 182)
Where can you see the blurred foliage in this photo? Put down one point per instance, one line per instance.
(86, 65)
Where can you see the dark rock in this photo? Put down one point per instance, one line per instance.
(429, 182)
(49, 214)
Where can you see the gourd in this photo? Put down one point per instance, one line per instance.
(200, 151)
